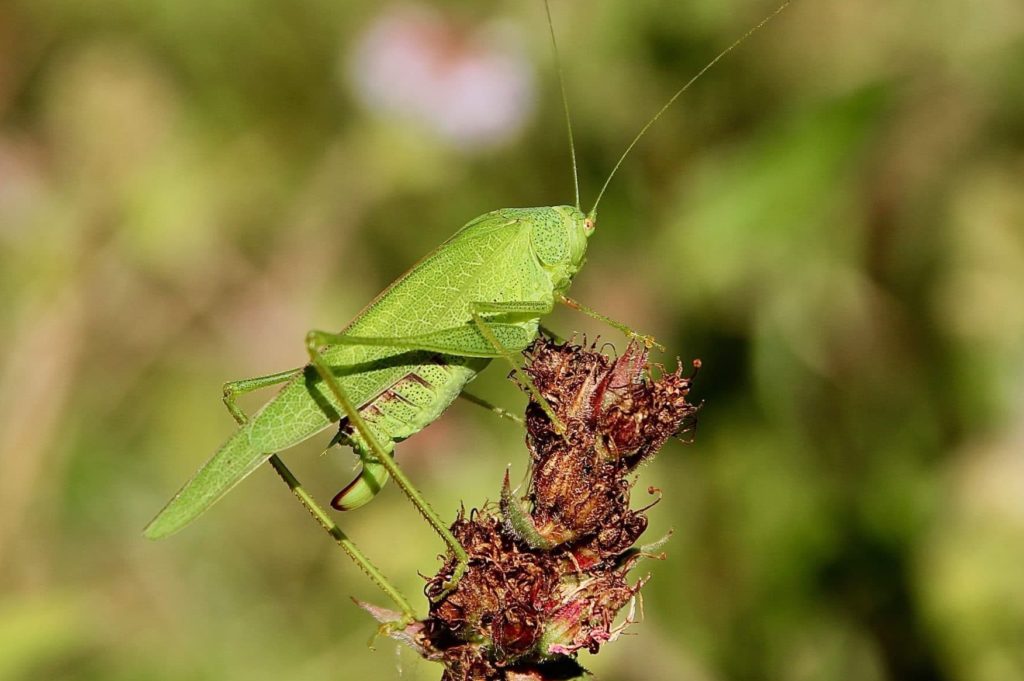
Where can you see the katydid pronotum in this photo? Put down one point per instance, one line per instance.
(401, 362)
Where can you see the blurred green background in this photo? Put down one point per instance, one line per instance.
(832, 219)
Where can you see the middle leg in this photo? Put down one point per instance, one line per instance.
(511, 355)
(235, 388)
(493, 408)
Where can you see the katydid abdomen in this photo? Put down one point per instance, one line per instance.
(403, 394)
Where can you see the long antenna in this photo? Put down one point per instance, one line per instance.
(680, 91)
(565, 104)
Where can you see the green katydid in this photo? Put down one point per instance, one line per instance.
(400, 363)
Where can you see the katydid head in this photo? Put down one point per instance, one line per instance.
(559, 240)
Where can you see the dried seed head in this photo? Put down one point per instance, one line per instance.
(616, 417)
(549, 578)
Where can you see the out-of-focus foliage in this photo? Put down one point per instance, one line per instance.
(832, 219)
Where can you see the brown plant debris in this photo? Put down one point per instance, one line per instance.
(548, 573)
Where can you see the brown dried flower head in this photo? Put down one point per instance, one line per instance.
(548, 574)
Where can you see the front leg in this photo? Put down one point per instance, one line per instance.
(579, 307)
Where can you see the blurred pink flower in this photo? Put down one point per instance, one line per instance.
(474, 88)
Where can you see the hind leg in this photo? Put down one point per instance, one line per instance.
(235, 388)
